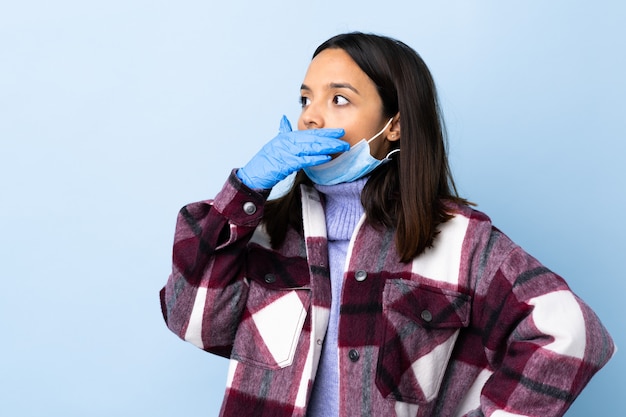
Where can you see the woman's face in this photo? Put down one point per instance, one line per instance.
(336, 93)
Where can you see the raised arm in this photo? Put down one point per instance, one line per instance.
(205, 293)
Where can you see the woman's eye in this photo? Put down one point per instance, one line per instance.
(340, 100)
(304, 101)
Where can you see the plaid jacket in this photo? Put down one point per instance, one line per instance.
(473, 327)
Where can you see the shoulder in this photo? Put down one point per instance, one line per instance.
(482, 242)
(474, 226)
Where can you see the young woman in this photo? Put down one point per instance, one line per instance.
(371, 288)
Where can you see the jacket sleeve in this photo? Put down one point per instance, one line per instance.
(206, 292)
(542, 342)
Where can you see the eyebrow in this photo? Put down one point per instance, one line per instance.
(333, 85)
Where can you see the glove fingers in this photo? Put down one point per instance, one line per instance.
(315, 145)
(328, 133)
(326, 148)
(307, 161)
(290, 151)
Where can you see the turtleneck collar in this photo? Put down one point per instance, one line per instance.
(343, 207)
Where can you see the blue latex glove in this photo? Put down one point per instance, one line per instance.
(288, 152)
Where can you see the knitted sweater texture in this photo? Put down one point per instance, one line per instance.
(343, 210)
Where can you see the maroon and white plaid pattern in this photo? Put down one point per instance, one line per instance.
(473, 327)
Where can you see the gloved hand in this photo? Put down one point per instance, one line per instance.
(289, 152)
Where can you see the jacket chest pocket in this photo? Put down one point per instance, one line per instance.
(421, 325)
(276, 309)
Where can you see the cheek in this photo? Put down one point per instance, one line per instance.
(355, 133)
(351, 138)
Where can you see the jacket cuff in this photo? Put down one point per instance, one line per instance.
(242, 205)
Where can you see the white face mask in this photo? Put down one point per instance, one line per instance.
(350, 165)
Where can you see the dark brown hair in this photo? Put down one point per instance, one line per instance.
(408, 193)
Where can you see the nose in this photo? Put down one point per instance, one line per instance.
(311, 117)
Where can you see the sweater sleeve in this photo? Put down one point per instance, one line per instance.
(543, 343)
(206, 292)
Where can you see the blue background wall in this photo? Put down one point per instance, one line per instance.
(113, 114)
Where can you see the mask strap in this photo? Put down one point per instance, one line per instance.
(381, 131)
(391, 153)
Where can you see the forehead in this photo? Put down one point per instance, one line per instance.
(335, 65)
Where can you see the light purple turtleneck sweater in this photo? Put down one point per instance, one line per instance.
(343, 211)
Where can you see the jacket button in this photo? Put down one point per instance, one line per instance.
(426, 315)
(249, 208)
(360, 275)
(270, 278)
(353, 355)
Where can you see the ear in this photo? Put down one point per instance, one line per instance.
(394, 129)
